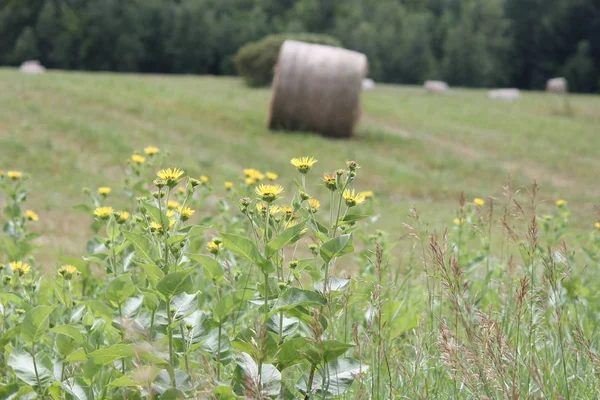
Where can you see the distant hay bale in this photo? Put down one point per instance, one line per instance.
(368, 85)
(557, 85)
(508, 94)
(317, 88)
(32, 67)
(435, 86)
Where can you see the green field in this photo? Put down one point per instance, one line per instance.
(70, 130)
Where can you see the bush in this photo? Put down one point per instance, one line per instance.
(255, 61)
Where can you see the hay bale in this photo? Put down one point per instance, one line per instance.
(32, 67)
(435, 86)
(508, 94)
(557, 85)
(368, 85)
(317, 88)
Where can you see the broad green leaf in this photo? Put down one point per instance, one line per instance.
(335, 285)
(211, 266)
(211, 344)
(153, 273)
(120, 289)
(8, 391)
(292, 352)
(332, 349)
(288, 236)
(123, 381)
(176, 239)
(353, 217)
(72, 332)
(158, 215)
(77, 356)
(8, 297)
(107, 355)
(184, 304)
(288, 325)
(142, 245)
(74, 387)
(247, 249)
(176, 282)
(339, 376)
(294, 297)
(22, 365)
(35, 323)
(246, 377)
(229, 302)
(337, 247)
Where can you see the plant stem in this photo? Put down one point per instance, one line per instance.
(122, 336)
(219, 353)
(185, 356)
(170, 334)
(311, 377)
(37, 376)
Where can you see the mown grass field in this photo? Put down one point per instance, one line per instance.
(70, 130)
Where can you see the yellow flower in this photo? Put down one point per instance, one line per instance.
(155, 227)
(31, 216)
(67, 271)
(14, 174)
(103, 212)
(303, 164)
(228, 185)
(181, 189)
(136, 158)
(287, 210)
(459, 221)
(268, 193)
(170, 176)
(104, 190)
(170, 213)
(314, 205)
(290, 223)
(186, 213)
(330, 181)
(478, 201)
(271, 176)
(150, 150)
(367, 194)
(273, 208)
(123, 216)
(204, 179)
(1, 172)
(213, 247)
(172, 204)
(560, 202)
(172, 222)
(250, 181)
(597, 225)
(20, 267)
(352, 198)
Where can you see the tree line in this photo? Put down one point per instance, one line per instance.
(478, 43)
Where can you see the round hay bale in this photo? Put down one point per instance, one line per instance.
(32, 67)
(435, 86)
(317, 88)
(557, 85)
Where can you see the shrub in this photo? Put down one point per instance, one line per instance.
(255, 61)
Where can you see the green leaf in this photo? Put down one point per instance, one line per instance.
(339, 376)
(123, 381)
(292, 352)
(248, 250)
(294, 297)
(7, 392)
(175, 283)
(142, 245)
(353, 217)
(35, 323)
(74, 387)
(107, 355)
(288, 236)
(246, 377)
(157, 214)
(22, 365)
(72, 332)
(120, 289)
(77, 356)
(335, 285)
(8, 297)
(211, 266)
(337, 247)
(153, 273)
(288, 325)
